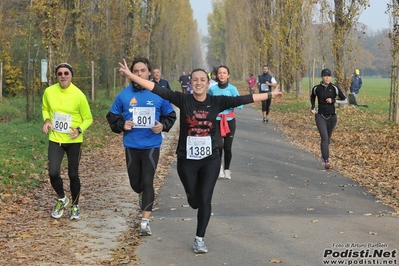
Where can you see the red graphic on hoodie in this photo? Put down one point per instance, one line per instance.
(197, 124)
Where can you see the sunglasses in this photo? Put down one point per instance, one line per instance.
(66, 73)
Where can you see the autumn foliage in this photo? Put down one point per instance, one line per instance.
(364, 146)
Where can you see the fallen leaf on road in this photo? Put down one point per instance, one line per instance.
(276, 261)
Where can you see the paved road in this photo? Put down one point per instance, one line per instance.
(280, 206)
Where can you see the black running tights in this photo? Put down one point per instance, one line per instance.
(266, 106)
(225, 144)
(141, 167)
(199, 179)
(325, 125)
(55, 155)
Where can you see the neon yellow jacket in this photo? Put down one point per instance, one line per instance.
(69, 101)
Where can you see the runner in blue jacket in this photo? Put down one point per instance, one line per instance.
(141, 116)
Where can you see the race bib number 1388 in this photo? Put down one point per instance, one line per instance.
(198, 147)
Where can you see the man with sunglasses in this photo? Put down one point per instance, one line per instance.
(66, 114)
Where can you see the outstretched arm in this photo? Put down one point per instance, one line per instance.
(264, 96)
(125, 71)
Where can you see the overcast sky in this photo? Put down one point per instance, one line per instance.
(374, 16)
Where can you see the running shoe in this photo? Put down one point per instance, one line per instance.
(145, 229)
(327, 164)
(227, 174)
(264, 120)
(267, 121)
(199, 245)
(221, 173)
(75, 212)
(58, 210)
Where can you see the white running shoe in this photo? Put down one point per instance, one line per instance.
(199, 245)
(227, 174)
(221, 173)
(145, 229)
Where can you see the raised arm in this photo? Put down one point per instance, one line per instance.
(125, 71)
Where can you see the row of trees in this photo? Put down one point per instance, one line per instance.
(295, 37)
(299, 37)
(102, 31)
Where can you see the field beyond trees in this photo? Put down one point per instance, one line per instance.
(364, 145)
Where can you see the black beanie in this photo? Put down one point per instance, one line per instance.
(66, 65)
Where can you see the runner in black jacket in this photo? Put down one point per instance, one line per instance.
(198, 160)
(325, 116)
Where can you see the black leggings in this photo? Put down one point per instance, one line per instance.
(55, 155)
(141, 167)
(199, 179)
(266, 106)
(325, 124)
(225, 143)
(184, 89)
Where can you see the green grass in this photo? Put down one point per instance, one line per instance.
(22, 152)
(23, 146)
(374, 92)
(11, 108)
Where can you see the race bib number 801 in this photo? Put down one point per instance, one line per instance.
(198, 147)
(143, 117)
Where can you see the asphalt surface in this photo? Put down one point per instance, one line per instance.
(280, 207)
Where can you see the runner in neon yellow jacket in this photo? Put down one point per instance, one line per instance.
(69, 101)
(66, 114)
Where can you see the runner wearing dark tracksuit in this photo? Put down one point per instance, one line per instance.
(325, 117)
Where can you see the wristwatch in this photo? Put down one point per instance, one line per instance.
(79, 130)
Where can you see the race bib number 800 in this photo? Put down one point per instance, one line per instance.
(198, 147)
(143, 117)
(62, 122)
